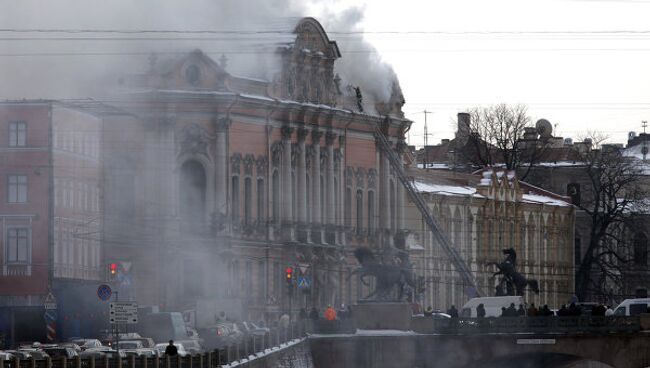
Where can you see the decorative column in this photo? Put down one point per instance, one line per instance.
(329, 183)
(399, 188)
(315, 179)
(287, 190)
(221, 173)
(302, 183)
(384, 193)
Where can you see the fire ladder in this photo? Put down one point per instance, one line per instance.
(439, 235)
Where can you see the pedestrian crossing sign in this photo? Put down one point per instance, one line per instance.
(303, 282)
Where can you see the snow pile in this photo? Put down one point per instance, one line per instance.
(444, 189)
(536, 198)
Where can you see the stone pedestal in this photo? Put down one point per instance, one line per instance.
(382, 316)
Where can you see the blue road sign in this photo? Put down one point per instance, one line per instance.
(303, 282)
(104, 292)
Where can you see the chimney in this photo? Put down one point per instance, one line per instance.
(463, 125)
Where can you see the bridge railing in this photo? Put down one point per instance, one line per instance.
(237, 353)
(570, 325)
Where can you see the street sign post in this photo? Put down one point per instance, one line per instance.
(104, 292)
(123, 312)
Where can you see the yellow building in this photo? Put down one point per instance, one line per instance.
(482, 215)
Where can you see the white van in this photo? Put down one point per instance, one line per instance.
(632, 307)
(492, 305)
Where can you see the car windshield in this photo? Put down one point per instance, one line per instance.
(130, 345)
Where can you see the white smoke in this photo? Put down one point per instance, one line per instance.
(43, 64)
(360, 64)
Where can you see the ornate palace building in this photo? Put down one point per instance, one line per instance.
(219, 182)
(484, 214)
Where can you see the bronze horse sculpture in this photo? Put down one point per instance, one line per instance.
(515, 283)
(391, 269)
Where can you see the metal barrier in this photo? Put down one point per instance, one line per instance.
(246, 348)
(564, 325)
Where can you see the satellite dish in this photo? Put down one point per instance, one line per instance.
(544, 128)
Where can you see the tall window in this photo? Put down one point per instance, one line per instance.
(359, 223)
(248, 279)
(322, 199)
(640, 249)
(17, 245)
(393, 207)
(348, 206)
(248, 200)
(235, 199)
(17, 189)
(371, 211)
(308, 200)
(260, 200)
(17, 134)
(192, 195)
(276, 196)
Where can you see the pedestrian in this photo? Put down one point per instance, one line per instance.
(521, 312)
(504, 312)
(511, 311)
(545, 312)
(313, 314)
(171, 349)
(428, 312)
(284, 320)
(563, 311)
(302, 314)
(532, 311)
(343, 312)
(453, 312)
(480, 311)
(330, 313)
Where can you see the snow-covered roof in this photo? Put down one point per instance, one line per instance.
(536, 198)
(445, 189)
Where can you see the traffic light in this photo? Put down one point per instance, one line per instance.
(112, 271)
(288, 275)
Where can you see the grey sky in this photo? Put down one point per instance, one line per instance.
(579, 81)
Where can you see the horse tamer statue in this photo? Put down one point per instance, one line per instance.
(392, 270)
(512, 281)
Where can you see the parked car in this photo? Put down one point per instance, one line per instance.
(192, 346)
(72, 345)
(102, 352)
(146, 342)
(632, 307)
(37, 354)
(218, 336)
(160, 348)
(56, 352)
(130, 345)
(258, 330)
(20, 354)
(87, 343)
(145, 352)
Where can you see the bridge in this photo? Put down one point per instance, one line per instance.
(491, 342)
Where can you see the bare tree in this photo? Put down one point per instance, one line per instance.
(613, 192)
(497, 137)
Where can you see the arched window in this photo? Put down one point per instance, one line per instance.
(640, 249)
(235, 198)
(573, 191)
(359, 223)
(276, 196)
(248, 201)
(371, 211)
(260, 200)
(192, 195)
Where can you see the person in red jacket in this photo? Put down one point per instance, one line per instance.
(330, 313)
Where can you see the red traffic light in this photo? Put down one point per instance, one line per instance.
(288, 270)
(288, 273)
(113, 267)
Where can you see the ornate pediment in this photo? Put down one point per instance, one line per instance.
(193, 140)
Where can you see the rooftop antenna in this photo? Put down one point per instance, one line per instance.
(426, 137)
(644, 149)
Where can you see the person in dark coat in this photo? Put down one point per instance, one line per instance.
(313, 314)
(504, 312)
(480, 311)
(428, 312)
(521, 311)
(302, 314)
(511, 311)
(532, 311)
(453, 312)
(171, 349)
